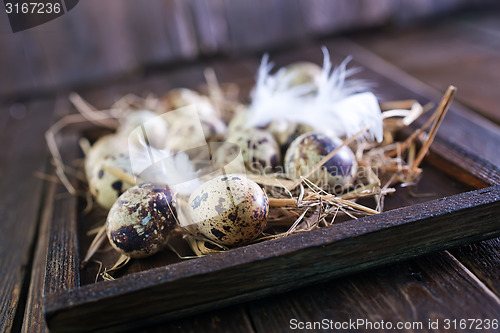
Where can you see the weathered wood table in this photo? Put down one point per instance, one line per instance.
(449, 286)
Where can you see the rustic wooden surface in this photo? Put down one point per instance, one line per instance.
(245, 273)
(456, 284)
(434, 53)
(23, 154)
(100, 41)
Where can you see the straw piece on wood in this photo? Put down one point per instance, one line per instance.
(282, 202)
(90, 113)
(403, 104)
(441, 112)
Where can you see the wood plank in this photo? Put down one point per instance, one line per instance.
(415, 291)
(326, 17)
(482, 139)
(234, 319)
(15, 65)
(62, 268)
(211, 24)
(261, 25)
(418, 52)
(256, 270)
(23, 154)
(34, 320)
(483, 260)
(160, 31)
(81, 47)
(472, 46)
(181, 71)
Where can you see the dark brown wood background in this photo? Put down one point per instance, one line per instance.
(103, 40)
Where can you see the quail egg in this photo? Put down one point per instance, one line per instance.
(181, 97)
(144, 125)
(285, 131)
(184, 134)
(309, 149)
(238, 121)
(300, 73)
(104, 186)
(229, 209)
(141, 220)
(258, 148)
(105, 145)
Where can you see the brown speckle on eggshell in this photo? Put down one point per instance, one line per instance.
(105, 145)
(259, 149)
(309, 149)
(229, 209)
(184, 134)
(104, 186)
(140, 222)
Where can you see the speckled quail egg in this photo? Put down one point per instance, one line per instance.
(104, 186)
(137, 122)
(140, 222)
(184, 135)
(258, 148)
(229, 209)
(181, 97)
(285, 131)
(105, 145)
(300, 73)
(309, 149)
(238, 122)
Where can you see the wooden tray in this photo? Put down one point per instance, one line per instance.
(164, 287)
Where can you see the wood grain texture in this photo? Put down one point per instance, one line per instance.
(413, 291)
(62, 267)
(34, 321)
(472, 39)
(99, 40)
(234, 319)
(472, 46)
(483, 259)
(323, 17)
(274, 266)
(23, 154)
(211, 25)
(257, 25)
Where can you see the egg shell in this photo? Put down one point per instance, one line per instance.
(300, 73)
(259, 149)
(183, 135)
(285, 131)
(105, 145)
(229, 209)
(181, 97)
(137, 122)
(140, 222)
(103, 185)
(238, 121)
(309, 149)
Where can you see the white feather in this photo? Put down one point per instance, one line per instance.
(161, 166)
(341, 106)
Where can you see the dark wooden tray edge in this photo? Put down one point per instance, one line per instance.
(313, 256)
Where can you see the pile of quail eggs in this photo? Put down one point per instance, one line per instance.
(229, 209)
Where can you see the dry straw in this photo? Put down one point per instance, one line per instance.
(297, 205)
